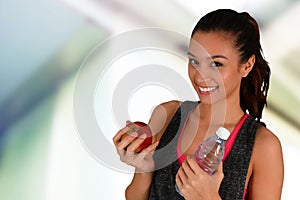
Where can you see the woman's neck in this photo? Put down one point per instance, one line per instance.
(220, 113)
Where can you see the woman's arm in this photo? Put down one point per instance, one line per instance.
(139, 187)
(268, 170)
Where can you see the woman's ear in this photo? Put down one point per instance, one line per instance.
(247, 66)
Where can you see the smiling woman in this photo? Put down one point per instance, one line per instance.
(231, 78)
(211, 74)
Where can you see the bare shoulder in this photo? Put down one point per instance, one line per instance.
(267, 147)
(267, 166)
(266, 140)
(166, 109)
(161, 117)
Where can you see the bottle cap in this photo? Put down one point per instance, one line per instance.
(223, 133)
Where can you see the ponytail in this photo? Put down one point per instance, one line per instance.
(254, 87)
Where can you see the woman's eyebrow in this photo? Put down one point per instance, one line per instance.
(211, 57)
(219, 56)
(190, 54)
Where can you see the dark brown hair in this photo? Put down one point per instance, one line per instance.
(245, 32)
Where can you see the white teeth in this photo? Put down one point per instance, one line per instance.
(207, 89)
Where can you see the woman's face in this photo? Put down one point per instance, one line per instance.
(214, 67)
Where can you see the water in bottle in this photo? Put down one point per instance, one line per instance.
(210, 153)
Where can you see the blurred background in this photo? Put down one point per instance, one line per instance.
(42, 45)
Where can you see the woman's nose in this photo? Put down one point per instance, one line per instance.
(206, 73)
(203, 73)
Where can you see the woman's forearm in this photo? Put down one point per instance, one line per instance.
(139, 187)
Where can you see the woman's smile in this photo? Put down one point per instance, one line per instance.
(207, 90)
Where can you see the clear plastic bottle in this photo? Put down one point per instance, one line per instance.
(210, 153)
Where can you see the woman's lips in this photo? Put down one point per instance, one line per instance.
(207, 89)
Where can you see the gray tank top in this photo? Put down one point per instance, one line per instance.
(235, 166)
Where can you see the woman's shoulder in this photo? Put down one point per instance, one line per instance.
(161, 117)
(170, 105)
(267, 146)
(265, 139)
(166, 109)
(267, 165)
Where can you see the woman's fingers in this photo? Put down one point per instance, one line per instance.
(190, 166)
(136, 142)
(151, 148)
(182, 176)
(186, 172)
(178, 182)
(219, 171)
(195, 166)
(193, 182)
(117, 137)
(220, 167)
(126, 141)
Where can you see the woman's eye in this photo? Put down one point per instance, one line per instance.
(193, 62)
(216, 64)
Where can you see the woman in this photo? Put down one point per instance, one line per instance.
(231, 77)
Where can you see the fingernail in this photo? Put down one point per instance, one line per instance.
(133, 134)
(124, 130)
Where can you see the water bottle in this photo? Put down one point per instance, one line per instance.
(210, 152)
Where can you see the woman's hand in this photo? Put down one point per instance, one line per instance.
(143, 161)
(194, 183)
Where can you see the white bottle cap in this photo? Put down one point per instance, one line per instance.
(223, 133)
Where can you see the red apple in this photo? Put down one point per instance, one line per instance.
(141, 128)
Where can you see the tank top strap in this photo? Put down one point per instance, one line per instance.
(165, 157)
(232, 137)
(236, 165)
(164, 152)
(181, 157)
